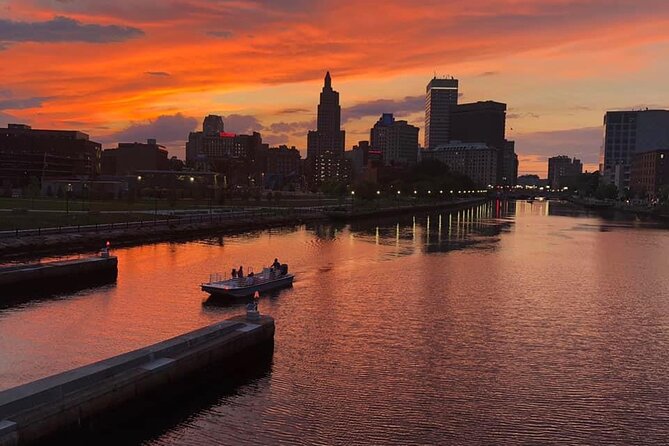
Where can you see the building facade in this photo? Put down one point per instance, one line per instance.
(478, 161)
(562, 166)
(128, 158)
(396, 140)
(508, 165)
(27, 153)
(627, 133)
(650, 171)
(440, 96)
(483, 121)
(328, 136)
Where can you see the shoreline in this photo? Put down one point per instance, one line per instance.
(12, 249)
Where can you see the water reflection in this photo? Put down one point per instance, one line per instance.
(508, 323)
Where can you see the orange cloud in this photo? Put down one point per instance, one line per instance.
(206, 50)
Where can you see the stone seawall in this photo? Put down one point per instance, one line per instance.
(68, 401)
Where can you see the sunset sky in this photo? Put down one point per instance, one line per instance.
(127, 70)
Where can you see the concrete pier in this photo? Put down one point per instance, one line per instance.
(44, 274)
(66, 402)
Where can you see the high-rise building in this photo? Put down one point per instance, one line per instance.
(476, 160)
(627, 133)
(27, 153)
(482, 121)
(562, 166)
(440, 96)
(396, 140)
(328, 136)
(213, 145)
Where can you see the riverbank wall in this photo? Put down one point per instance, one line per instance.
(365, 213)
(35, 245)
(81, 399)
(51, 274)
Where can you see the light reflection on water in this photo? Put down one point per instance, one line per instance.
(504, 323)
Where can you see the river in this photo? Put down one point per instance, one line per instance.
(510, 322)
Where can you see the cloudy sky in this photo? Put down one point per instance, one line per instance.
(132, 69)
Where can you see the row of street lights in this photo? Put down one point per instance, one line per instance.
(441, 192)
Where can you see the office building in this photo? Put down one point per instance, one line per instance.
(562, 166)
(128, 158)
(508, 165)
(649, 172)
(27, 153)
(483, 121)
(441, 94)
(627, 133)
(478, 161)
(396, 140)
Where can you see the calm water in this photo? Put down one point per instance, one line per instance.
(509, 323)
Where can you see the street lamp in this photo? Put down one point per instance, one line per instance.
(68, 189)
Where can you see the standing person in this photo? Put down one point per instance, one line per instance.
(234, 273)
(240, 272)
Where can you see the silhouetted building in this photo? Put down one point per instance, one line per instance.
(213, 125)
(532, 181)
(482, 121)
(650, 171)
(27, 153)
(213, 145)
(396, 140)
(283, 167)
(128, 158)
(627, 133)
(478, 161)
(508, 164)
(562, 166)
(328, 136)
(440, 96)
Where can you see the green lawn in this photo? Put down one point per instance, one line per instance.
(34, 220)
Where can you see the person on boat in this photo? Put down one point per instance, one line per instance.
(276, 265)
(240, 272)
(234, 273)
(250, 280)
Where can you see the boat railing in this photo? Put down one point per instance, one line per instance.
(216, 277)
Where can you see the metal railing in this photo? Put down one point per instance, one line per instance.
(169, 221)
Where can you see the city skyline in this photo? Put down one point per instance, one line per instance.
(106, 70)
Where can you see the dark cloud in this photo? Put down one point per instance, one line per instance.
(64, 29)
(488, 73)
(166, 129)
(292, 127)
(6, 118)
(583, 143)
(406, 106)
(517, 115)
(220, 34)
(22, 103)
(275, 140)
(288, 111)
(245, 124)
(157, 73)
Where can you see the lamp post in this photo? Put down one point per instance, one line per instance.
(398, 198)
(352, 198)
(68, 189)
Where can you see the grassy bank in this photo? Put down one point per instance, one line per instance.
(10, 221)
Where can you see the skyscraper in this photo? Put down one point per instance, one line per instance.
(482, 121)
(328, 137)
(440, 95)
(627, 133)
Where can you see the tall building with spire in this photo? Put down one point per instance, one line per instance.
(328, 136)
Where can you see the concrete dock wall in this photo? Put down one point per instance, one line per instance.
(68, 401)
(41, 273)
